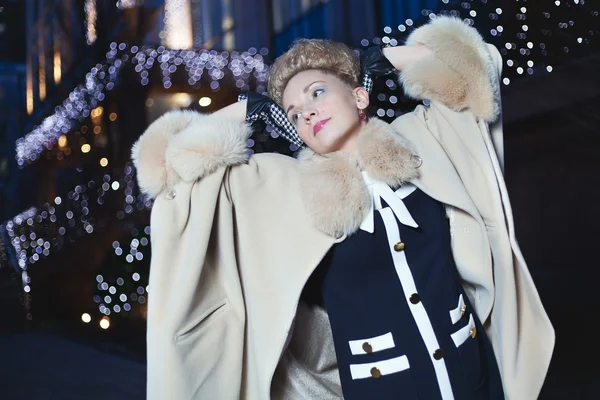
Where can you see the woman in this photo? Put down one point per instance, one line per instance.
(381, 263)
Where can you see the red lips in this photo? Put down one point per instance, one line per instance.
(319, 125)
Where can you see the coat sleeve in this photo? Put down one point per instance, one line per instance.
(460, 85)
(461, 71)
(460, 82)
(196, 319)
(462, 74)
(186, 146)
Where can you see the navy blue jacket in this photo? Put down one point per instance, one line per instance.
(394, 304)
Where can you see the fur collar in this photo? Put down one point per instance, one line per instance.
(333, 189)
(183, 145)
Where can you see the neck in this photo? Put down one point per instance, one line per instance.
(350, 146)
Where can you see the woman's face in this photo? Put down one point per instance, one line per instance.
(324, 110)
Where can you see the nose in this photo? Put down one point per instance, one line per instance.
(309, 114)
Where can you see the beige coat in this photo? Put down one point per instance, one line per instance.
(235, 238)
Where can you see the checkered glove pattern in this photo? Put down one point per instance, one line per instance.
(367, 82)
(262, 109)
(373, 64)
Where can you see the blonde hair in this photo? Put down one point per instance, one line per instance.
(325, 55)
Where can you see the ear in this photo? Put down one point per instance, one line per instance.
(362, 97)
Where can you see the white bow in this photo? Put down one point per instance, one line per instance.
(379, 190)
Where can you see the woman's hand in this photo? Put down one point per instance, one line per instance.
(402, 57)
(262, 109)
(376, 61)
(373, 64)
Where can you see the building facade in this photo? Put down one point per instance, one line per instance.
(82, 80)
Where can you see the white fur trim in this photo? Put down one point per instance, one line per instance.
(460, 73)
(386, 155)
(187, 145)
(333, 190)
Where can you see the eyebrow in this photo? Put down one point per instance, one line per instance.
(304, 91)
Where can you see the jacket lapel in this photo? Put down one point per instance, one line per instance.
(438, 178)
(334, 192)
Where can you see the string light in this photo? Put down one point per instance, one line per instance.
(241, 67)
(105, 323)
(36, 233)
(62, 141)
(525, 56)
(204, 101)
(123, 287)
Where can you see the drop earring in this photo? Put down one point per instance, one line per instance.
(362, 115)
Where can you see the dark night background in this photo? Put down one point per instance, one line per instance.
(80, 80)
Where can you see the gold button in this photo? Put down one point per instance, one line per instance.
(399, 246)
(463, 310)
(375, 372)
(438, 354)
(473, 332)
(367, 347)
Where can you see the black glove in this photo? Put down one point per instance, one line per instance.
(262, 109)
(373, 64)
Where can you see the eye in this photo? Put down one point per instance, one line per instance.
(295, 117)
(318, 92)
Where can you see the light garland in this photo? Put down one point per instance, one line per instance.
(12, 231)
(124, 284)
(242, 66)
(36, 233)
(530, 42)
(103, 77)
(70, 113)
(527, 53)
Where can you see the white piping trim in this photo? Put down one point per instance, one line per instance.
(385, 367)
(377, 343)
(378, 190)
(395, 203)
(418, 310)
(461, 336)
(456, 314)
